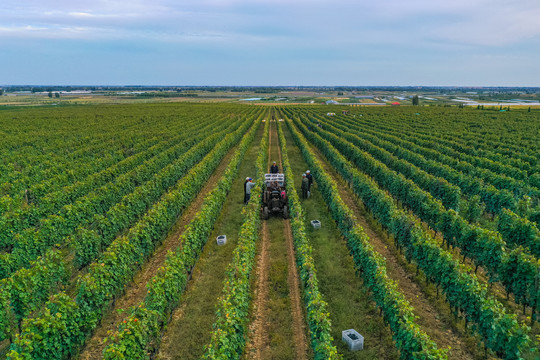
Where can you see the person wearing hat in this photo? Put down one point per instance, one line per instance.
(310, 178)
(305, 186)
(249, 185)
(245, 182)
(274, 169)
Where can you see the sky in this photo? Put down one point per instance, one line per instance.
(270, 42)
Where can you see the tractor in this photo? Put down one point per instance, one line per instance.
(274, 199)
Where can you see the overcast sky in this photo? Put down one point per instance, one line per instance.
(270, 42)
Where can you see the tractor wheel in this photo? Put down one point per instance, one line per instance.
(285, 212)
(266, 214)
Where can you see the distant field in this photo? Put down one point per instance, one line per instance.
(110, 207)
(271, 97)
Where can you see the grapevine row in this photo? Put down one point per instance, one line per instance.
(54, 201)
(412, 342)
(317, 314)
(441, 189)
(490, 174)
(521, 236)
(516, 270)
(56, 171)
(501, 332)
(497, 192)
(27, 290)
(20, 218)
(55, 165)
(61, 328)
(54, 230)
(139, 334)
(90, 243)
(24, 218)
(232, 311)
(492, 171)
(487, 145)
(433, 141)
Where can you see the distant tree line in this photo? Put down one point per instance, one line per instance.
(484, 91)
(164, 94)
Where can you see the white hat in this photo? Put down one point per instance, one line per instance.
(274, 162)
(247, 178)
(303, 174)
(307, 171)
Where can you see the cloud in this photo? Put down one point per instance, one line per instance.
(80, 14)
(500, 26)
(468, 22)
(354, 38)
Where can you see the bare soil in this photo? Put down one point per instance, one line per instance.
(299, 329)
(257, 329)
(259, 338)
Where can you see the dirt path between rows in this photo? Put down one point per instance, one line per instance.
(258, 338)
(294, 285)
(255, 347)
(136, 291)
(296, 303)
(429, 318)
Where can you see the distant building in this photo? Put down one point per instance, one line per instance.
(395, 103)
(331, 102)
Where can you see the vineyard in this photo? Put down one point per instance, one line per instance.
(429, 245)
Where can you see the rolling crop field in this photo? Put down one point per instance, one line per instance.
(429, 245)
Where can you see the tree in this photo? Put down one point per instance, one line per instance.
(50, 94)
(1, 92)
(415, 100)
(57, 95)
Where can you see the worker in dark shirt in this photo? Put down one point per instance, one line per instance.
(245, 194)
(274, 168)
(305, 185)
(310, 178)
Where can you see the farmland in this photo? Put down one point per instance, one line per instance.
(109, 213)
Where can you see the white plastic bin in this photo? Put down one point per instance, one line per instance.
(221, 239)
(353, 339)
